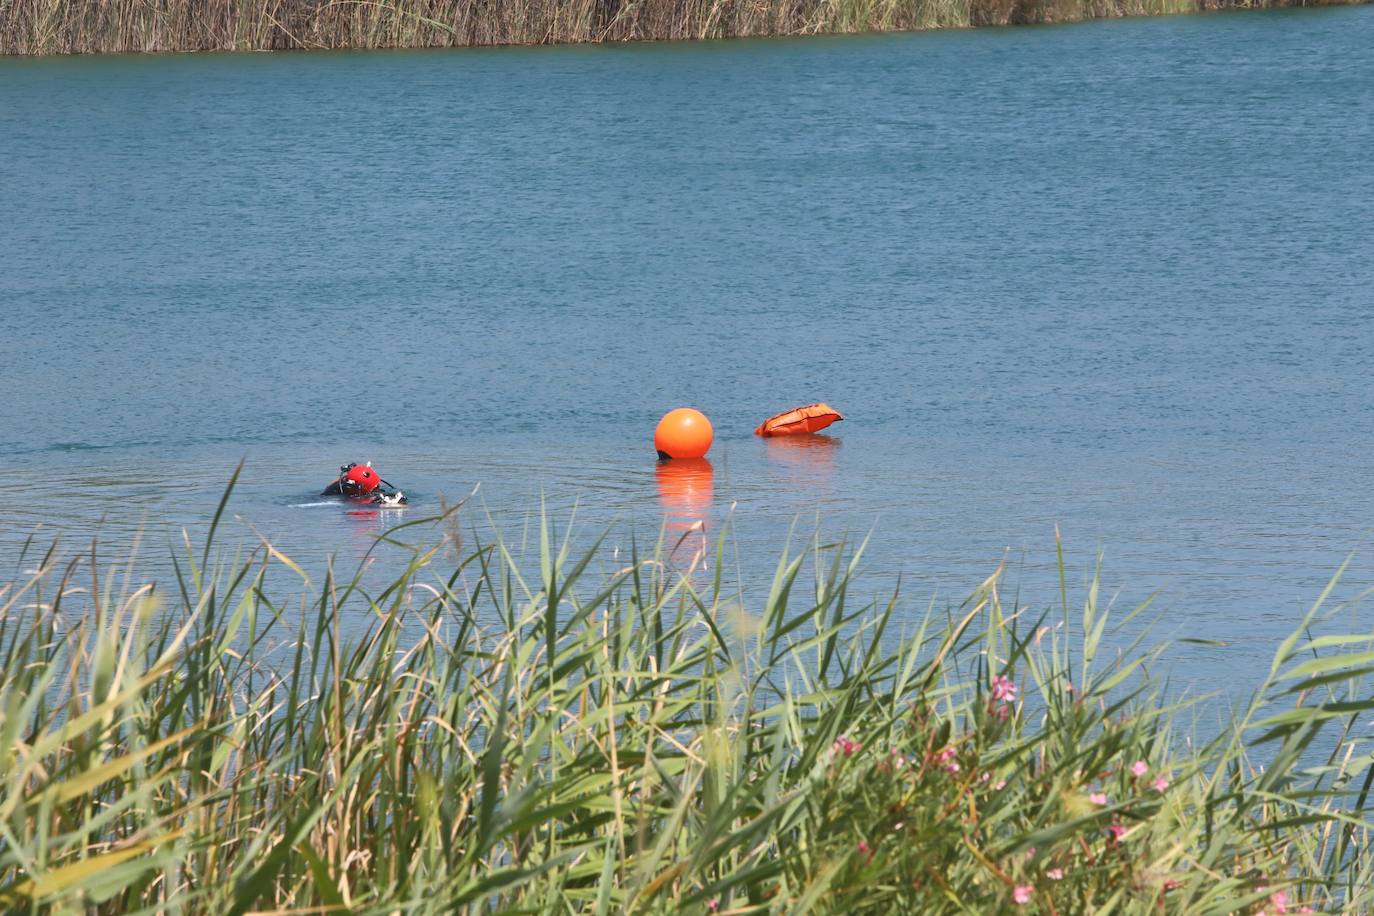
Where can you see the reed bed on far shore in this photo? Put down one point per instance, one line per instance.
(587, 732)
(108, 26)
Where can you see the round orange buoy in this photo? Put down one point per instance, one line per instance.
(683, 433)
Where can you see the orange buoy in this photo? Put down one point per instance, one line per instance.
(683, 433)
(799, 421)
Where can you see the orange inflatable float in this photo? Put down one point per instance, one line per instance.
(799, 421)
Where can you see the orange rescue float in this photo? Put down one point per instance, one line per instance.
(799, 421)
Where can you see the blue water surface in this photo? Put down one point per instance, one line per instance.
(1114, 280)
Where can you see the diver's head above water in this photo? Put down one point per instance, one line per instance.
(361, 481)
(358, 480)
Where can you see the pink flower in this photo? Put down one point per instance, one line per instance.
(1170, 884)
(1280, 901)
(999, 785)
(844, 746)
(1116, 831)
(1022, 894)
(1003, 689)
(1139, 768)
(1161, 783)
(865, 848)
(1307, 909)
(952, 767)
(1055, 874)
(713, 904)
(1098, 798)
(946, 755)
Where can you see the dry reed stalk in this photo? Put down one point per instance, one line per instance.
(98, 26)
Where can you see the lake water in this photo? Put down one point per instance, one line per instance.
(1113, 278)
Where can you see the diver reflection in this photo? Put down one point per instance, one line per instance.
(686, 487)
(368, 523)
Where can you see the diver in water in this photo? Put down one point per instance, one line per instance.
(361, 483)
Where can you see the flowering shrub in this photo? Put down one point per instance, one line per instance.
(1044, 810)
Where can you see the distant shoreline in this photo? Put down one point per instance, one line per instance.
(38, 27)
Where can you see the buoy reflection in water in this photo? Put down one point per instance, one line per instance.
(686, 487)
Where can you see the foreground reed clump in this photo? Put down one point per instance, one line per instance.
(105, 26)
(636, 740)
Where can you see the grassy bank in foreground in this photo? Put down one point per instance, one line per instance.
(635, 740)
(105, 26)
